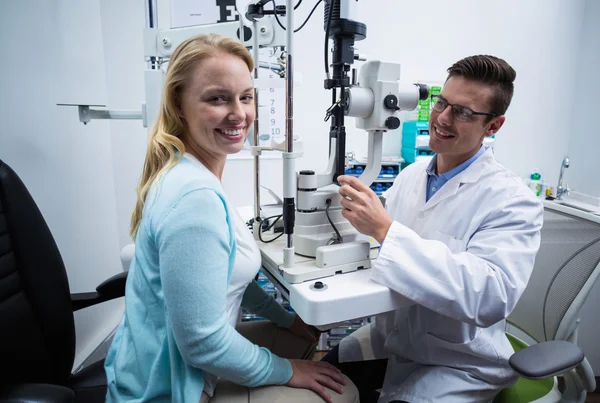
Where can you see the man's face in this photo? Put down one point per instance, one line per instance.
(452, 138)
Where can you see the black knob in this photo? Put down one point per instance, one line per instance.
(247, 33)
(391, 102)
(392, 123)
(307, 172)
(423, 91)
(319, 285)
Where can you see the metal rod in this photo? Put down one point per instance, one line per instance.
(147, 9)
(242, 31)
(153, 13)
(339, 74)
(289, 168)
(151, 22)
(289, 78)
(86, 114)
(256, 56)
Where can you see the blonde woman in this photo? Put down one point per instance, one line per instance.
(195, 260)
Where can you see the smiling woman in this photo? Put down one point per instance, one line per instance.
(195, 260)
(217, 106)
(174, 132)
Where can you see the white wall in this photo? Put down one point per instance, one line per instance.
(583, 150)
(583, 132)
(90, 51)
(122, 35)
(53, 53)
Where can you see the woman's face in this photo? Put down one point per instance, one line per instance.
(218, 106)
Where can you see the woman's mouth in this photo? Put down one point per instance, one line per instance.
(232, 134)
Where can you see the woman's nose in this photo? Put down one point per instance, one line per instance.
(237, 112)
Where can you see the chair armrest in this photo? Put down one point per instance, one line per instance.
(543, 360)
(37, 393)
(111, 288)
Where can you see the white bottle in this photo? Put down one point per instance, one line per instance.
(535, 182)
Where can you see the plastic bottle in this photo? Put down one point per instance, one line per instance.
(543, 187)
(535, 182)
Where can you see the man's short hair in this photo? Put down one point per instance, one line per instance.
(490, 70)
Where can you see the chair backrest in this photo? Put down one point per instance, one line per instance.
(37, 331)
(566, 268)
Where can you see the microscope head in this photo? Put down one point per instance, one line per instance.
(379, 95)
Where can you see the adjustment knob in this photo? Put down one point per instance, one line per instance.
(247, 34)
(392, 123)
(391, 102)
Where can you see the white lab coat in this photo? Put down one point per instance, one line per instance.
(464, 257)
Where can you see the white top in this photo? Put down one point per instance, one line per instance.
(247, 264)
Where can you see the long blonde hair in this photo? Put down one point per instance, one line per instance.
(165, 147)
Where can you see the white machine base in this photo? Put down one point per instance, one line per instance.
(344, 257)
(305, 268)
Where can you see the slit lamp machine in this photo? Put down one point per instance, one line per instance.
(317, 241)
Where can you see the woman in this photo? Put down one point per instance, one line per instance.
(195, 260)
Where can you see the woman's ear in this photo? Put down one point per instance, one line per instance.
(178, 106)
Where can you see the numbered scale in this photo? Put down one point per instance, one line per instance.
(271, 100)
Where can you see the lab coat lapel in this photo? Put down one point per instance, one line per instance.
(420, 189)
(469, 175)
(406, 206)
(409, 207)
(448, 190)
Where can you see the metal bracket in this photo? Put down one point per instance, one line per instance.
(86, 114)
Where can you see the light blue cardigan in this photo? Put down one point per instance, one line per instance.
(175, 324)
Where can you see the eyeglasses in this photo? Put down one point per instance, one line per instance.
(459, 112)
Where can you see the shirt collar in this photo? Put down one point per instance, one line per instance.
(431, 168)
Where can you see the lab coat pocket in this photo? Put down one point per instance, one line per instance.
(477, 356)
(454, 244)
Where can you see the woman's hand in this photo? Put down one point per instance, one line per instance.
(315, 375)
(301, 329)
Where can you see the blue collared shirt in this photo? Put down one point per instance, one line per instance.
(435, 181)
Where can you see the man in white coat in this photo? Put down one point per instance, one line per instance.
(458, 236)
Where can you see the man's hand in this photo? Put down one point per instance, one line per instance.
(363, 208)
(301, 329)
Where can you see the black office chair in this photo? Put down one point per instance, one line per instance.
(37, 330)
